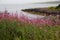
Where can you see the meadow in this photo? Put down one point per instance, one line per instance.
(21, 28)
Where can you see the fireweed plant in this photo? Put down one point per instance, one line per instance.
(13, 27)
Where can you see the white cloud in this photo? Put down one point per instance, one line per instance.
(22, 1)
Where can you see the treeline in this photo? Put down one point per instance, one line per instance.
(48, 11)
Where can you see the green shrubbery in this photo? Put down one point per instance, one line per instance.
(8, 30)
(58, 7)
(15, 30)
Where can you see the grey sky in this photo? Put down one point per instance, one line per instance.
(23, 1)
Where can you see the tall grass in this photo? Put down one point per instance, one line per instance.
(14, 28)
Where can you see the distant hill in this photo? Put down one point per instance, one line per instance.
(48, 10)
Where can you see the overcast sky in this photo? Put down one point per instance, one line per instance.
(22, 1)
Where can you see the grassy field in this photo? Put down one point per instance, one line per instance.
(13, 29)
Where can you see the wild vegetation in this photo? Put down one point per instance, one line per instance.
(21, 28)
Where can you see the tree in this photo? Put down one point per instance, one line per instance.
(58, 6)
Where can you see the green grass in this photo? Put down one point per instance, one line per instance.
(16, 30)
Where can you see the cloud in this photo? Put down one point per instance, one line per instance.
(22, 1)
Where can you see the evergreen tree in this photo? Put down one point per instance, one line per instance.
(58, 6)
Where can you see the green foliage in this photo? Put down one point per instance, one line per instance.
(15, 30)
(58, 7)
(52, 8)
(8, 30)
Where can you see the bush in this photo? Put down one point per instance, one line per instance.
(58, 7)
